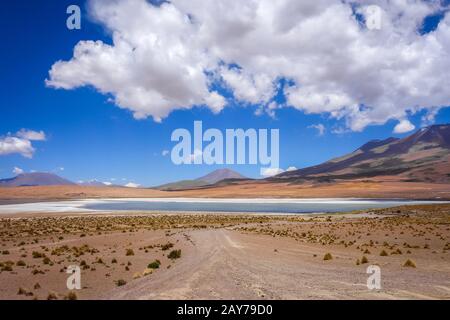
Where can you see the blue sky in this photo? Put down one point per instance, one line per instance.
(91, 138)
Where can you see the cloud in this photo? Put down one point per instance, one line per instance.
(132, 185)
(269, 172)
(291, 169)
(107, 183)
(11, 145)
(20, 143)
(18, 170)
(320, 128)
(404, 126)
(31, 135)
(171, 56)
(165, 153)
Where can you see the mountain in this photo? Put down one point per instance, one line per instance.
(207, 180)
(93, 183)
(219, 175)
(35, 179)
(422, 156)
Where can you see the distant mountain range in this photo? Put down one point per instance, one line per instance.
(422, 156)
(93, 183)
(35, 179)
(204, 181)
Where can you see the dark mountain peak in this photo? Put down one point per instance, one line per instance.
(207, 180)
(422, 156)
(438, 134)
(219, 175)
(35, 179)
(377, 143)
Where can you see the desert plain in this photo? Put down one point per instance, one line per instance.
(135, 255)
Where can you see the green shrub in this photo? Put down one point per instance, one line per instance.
(174, 254)
(154, 265)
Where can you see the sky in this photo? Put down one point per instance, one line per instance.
(102, 102)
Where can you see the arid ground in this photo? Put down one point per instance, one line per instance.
(228, 256)
(375, 188)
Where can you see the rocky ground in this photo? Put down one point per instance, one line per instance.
(228, 256)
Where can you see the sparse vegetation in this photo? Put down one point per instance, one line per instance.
(409, 263)
(174, 254)
(52, 296)
(120, 282)
(327, 256)
(71, 296)
(154, 265)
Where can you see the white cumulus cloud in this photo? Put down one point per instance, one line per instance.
(132, 185)
(319, 127)
(168, 57)
(269, 172)
(17, 170)
(404, 126)
(20, 143)
(10, 145)
(31, 135)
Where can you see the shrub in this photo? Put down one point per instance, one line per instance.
(37, 255)
(364, 260)
(22, 291)
(130, 252)
(121, 282)
(52, 296)
(383, 253)
(327, 256)
(46, 260)
(71, 296)
(409, 263)
(154, 265)
(174, 254)
(21, 263)
(114, 260)
(166, 246)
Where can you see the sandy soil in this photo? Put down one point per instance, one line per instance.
(380, 188)
(228, 256)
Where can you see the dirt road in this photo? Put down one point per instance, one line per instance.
(226, 264)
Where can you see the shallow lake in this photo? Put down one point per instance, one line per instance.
(250, 205)
(277, 206)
